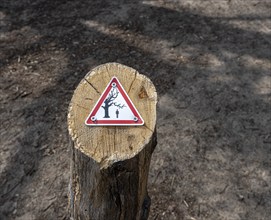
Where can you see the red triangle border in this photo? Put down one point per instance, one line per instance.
(99, 103)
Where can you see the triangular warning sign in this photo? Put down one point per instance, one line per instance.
(114, 108)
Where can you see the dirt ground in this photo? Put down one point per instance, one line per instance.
(210, 62)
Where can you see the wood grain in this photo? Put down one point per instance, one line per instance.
(118, 143)
(110, 165)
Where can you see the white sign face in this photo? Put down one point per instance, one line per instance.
(114, 108)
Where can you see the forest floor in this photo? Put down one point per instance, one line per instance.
(210, 62)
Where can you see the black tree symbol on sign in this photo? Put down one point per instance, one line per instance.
(109, 101)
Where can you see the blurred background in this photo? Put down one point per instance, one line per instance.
(210, 62)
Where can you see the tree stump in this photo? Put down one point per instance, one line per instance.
(110, 164)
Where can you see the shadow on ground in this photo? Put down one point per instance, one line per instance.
(212, 77)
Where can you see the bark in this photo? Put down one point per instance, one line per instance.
(118, 192)
(110, 165)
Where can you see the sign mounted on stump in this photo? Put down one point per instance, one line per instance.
(114, 108)
(105, 158)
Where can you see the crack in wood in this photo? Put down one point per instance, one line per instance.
(107, 70)
(147, 127)
(132, 82)
(92, 86)
(81, 106)
(114, 146)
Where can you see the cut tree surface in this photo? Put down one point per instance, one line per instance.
(115, 139)
(110, 164)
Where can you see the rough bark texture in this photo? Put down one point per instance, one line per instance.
(109, 174)
(116, 192)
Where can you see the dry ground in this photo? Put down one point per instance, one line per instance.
(210, 62)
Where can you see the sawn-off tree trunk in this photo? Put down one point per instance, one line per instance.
(110, 165)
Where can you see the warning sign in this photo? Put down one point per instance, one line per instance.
(114, 108)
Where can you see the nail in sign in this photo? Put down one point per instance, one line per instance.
(114, 108)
